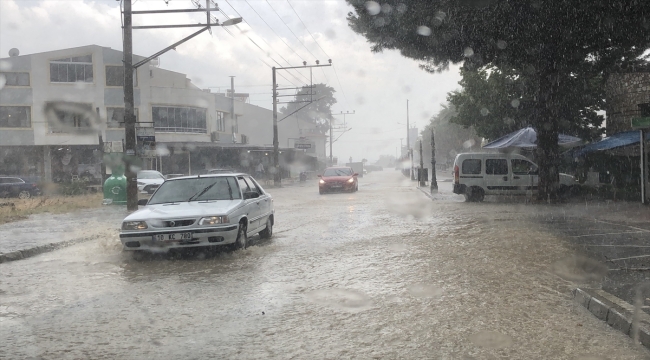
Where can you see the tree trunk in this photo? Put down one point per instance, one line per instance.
(546, 126)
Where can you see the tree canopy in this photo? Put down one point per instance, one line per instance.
(319, 111)
(545, 41)
(496, 102)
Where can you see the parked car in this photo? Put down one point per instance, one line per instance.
(149, 180)
(480, 174)
(18, 186)
(338, 179)
(195, 211)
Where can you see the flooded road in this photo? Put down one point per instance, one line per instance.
(383, 273)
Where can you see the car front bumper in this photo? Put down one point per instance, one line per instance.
(346, 186)
(143, 240)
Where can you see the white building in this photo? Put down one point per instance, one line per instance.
(54, 105)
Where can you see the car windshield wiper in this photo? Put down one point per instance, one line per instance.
(205, 189)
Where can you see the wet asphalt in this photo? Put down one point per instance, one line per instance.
(383, 273)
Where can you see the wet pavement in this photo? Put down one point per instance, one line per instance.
(383, 273)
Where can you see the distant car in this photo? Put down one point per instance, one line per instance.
(194, 211)
(338, 179)
(18, 186)
(149, 180)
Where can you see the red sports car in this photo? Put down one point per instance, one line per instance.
(338, 179)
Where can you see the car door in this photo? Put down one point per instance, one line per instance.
(497, 179)
(4, 187)
(524, 175)
(14, 186)
(264, 201)
(251, 206)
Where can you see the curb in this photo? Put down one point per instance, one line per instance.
(615, 312)
(27, 253)
(426, 193)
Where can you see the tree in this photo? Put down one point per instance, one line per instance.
(497, 102)
(548, 42)
(319, 111)
(450, 138)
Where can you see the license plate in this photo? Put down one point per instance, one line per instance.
(173, 237)
(337, 186)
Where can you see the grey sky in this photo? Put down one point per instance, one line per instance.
(376, 86)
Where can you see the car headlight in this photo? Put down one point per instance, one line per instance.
(321, 181)
(214, 220)
(134, 225)
(351, 180)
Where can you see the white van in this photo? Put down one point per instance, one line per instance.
(480, 174)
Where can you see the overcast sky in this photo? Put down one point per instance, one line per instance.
(375, 86)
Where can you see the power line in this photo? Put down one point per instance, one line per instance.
(285, 24)
(303, 24)
(267, 44)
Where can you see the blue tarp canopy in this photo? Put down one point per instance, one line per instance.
(527, 138)
(619, 140)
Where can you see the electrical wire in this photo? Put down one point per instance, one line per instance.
(267, 44)
(285, 24)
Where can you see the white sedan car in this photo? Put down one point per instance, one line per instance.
(149, 180)
(204, 210)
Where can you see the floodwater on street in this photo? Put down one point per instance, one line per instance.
(383, 273)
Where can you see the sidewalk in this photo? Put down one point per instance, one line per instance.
(46, 232)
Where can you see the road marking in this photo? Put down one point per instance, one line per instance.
(631, 227)
(633, 246)
(631, 257)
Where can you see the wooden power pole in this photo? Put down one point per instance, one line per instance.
(434, 182)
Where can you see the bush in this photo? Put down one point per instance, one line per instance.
(73, 188)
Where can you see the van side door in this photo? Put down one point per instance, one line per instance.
(524, 175)
(497, 177)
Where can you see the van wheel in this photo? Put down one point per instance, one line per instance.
(474, 194)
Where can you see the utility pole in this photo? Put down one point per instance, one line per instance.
(408, 142)
(277, 179)
(332, 131)
(232, 107)
(129, 116)
(434, 181)
(277, 176)
(421, 177)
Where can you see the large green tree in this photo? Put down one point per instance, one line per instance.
(498, 101)
(546, 41)
(319, 111)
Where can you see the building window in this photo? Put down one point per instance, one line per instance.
(115, 76)
(73, 69)
(115, 117)
(221, 121)
(16, 78)
(67, 121)
(179, 119)
(15, 117)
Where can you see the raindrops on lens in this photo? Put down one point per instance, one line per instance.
(423, 30)
(373, 7)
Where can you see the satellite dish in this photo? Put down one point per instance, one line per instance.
(14, 52)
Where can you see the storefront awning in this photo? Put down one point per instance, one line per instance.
(527, 138)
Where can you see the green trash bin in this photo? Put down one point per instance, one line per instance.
(115, 188)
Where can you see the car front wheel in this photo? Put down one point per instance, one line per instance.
(242, 238)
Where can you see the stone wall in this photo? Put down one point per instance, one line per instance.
(624, 93)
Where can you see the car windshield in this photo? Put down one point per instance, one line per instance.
(337, 172)
(196, 189)
(149, 175)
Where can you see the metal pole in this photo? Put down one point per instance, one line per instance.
(129, 116)
(331, 136)
(408, 142)
(232, 106)
(644, 166)
(434, 181)
(101, 154)
(277, 180)
(189, 162)
(423, 181)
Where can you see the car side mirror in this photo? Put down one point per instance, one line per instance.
(143, 202)
(355, 174)
(251, 195)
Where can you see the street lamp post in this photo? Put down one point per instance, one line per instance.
(332, 131)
